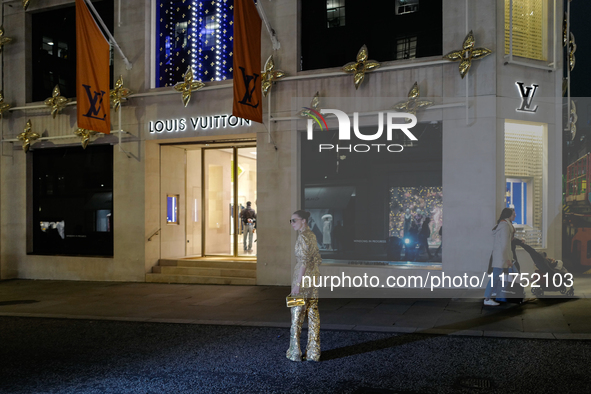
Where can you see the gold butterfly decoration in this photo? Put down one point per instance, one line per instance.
(188, 86)
(28, 136)
(270, 75)
(467, 54)
(361, 66)
(56, 101)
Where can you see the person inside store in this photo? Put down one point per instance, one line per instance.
(424, 235)
(406, 225)
(411, 241)
(326, 232)
(502, 255)
(248, 217)
(307, 264)
(441, 242)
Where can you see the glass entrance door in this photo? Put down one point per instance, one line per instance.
(219, 195)
(247, 200)
(229, 183)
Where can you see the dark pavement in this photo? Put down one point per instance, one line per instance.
(42, 355)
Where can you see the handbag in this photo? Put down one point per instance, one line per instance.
(292, 301)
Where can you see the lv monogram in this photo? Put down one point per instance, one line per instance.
(93, 111)
(527, 96)
(247, 99)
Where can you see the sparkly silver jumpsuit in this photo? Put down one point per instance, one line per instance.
(308, 256)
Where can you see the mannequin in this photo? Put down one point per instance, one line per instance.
(326, 231)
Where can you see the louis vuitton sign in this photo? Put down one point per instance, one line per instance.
(527, 94)
(198, 123)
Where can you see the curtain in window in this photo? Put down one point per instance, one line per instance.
(528, 28)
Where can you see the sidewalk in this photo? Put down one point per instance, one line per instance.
(548, 318)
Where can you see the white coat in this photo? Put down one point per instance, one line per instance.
(502, 235)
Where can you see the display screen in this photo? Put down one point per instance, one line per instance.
(411, 206)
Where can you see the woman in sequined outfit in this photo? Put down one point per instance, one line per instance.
(308, 260)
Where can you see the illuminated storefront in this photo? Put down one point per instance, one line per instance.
(181, 176)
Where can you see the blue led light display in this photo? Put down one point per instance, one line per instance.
(197, 33)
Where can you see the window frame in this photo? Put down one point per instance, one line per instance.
(407, 8)
(543, 204)
(528, 204)
(549, 40)
(223, 54)
(35, 198)
(427, 25)
(31, 79)
(407, 41)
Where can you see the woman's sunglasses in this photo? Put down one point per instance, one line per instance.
(293, 220)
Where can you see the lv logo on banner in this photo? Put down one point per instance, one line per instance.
(247, 99)
(92, 73)
(93, 111)
(247, 62)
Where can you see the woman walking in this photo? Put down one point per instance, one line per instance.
(501, 255)
(308, 260)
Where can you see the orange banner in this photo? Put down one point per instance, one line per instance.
(92, 73)
(247, 62)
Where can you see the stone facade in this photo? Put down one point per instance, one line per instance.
(473, 141)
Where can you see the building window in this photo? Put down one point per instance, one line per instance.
(54, 49)
(172, 209)
(197, 34)
(406, 6)
(72, 211)
(517, 198)
(370, 206)
(406, 48)
(335, 13)
(529, 28)
(390, 29)
(524, 173)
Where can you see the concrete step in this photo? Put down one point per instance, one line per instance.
(195, 279)
(205, 271)
(229, 264)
